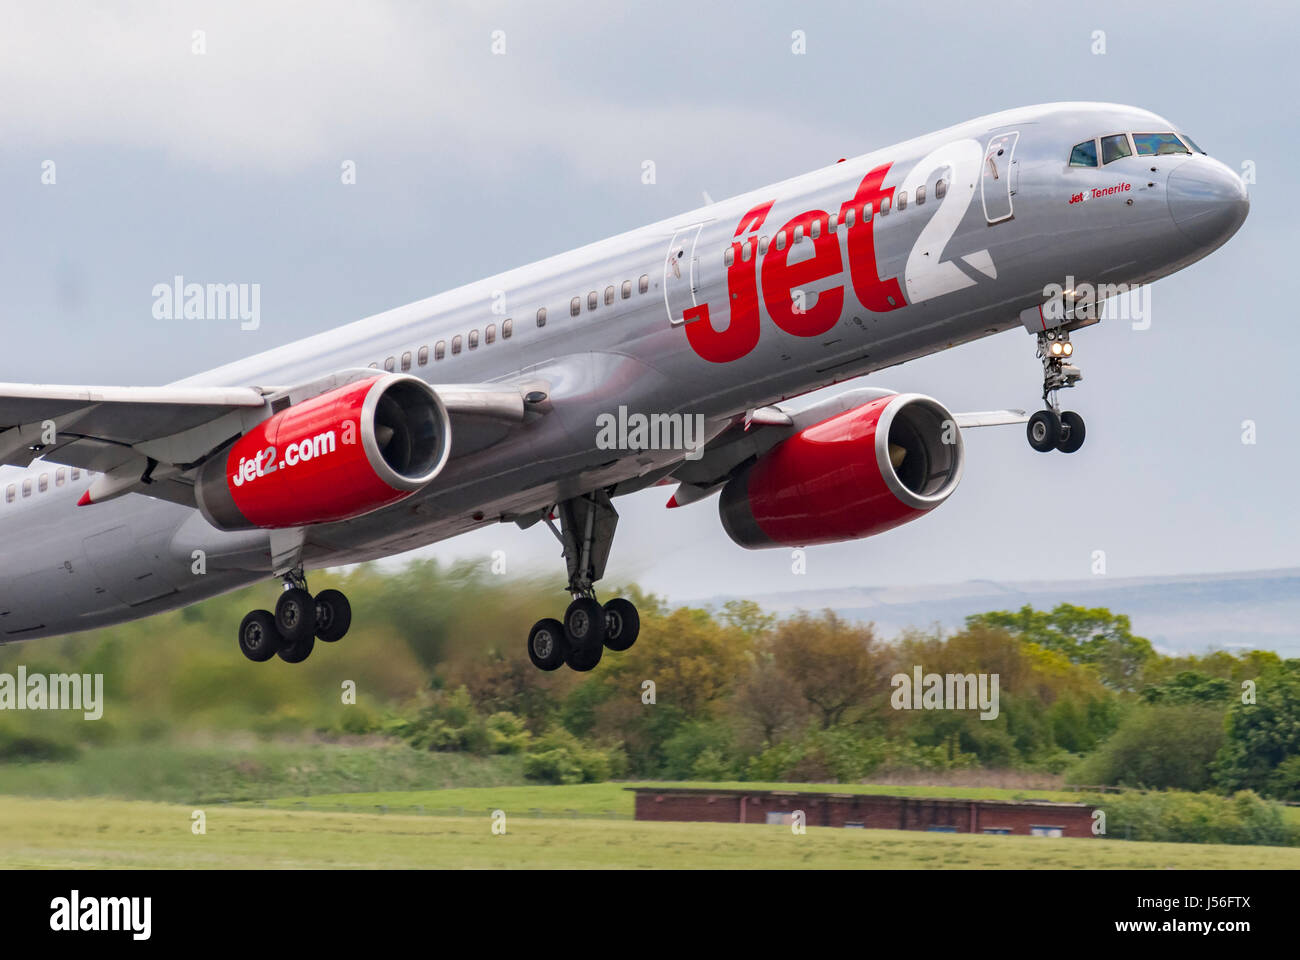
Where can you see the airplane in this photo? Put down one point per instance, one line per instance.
(685, 352)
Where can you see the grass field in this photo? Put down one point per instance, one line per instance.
(78, 834)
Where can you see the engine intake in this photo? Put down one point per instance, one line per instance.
(335, 456)
(853, 475)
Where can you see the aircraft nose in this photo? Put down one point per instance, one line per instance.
(1207, 201)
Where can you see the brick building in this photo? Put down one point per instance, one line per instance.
(1025, 817)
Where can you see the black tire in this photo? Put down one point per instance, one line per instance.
(1044, 430)
(299, 650)
(584, 625)
(333, 615)
(583, 659)
(1072, 432)
(547, 645)
(295, 616)
(258, 638)
(622, 624)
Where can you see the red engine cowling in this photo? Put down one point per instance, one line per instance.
(858, 473)
(335, 456)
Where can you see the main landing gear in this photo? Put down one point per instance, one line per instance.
(298, 622)
(589, 628)
(1052, 428)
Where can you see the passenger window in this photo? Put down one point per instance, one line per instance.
(507, 328)
(1084, 154)
(406, 361)
(850, 217)
(627, 289)
(575, 306)
(390, 364)
(490, 334)
(762, 246)
(373, 366)
(884, 206)
(60, 477)
(780, 240)
(745, 252)
(1158, 144)
(920, 195)
(27, 487)
(643, 284)
(43, 482)
(440, 349)
(455, 345)
(593, 299)
(902, 200)
(422, 357)
(834, 223)
(609, 296)
(1115, 148)
(867, 210)
(541, 317)
(75, 473)
(11, 493)
(728, 256)
(815, 230)
(473, 339)
(798, 234)
(941, 189)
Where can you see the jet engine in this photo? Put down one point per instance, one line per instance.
(858, 473)
(344, 453)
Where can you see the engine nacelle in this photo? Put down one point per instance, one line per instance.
(332, 457)
(858, 473)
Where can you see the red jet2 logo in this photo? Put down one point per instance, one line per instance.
(781, 278)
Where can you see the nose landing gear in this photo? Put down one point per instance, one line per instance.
(1052, 429)
(298, 622)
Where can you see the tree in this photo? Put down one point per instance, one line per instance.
(1162, 747)
(837, 668)
(1091, 635)
(1263, 735)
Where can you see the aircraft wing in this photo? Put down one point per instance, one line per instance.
(146, 438)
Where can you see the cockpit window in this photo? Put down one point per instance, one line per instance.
(1158, 144)
(1114, 148)
(1084, 154)
(1191, 143)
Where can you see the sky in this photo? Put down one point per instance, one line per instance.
(209, 141)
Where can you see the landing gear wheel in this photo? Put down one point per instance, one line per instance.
(1044, 430)
(298, 651)
(258, 638)
(622, 624)
(333, 615)
(584, 626)
(583, 659)
(546, 644)
(295, 615)
(1072, 432)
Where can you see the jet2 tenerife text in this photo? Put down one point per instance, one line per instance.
(440, 417)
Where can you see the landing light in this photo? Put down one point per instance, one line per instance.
(1068, 348)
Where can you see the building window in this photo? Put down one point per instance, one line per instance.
(941, 829)
(440, 349)
(423, 356)
(60, 476)
(609, 296)
(1046, 831)
(1000, 831)
(541, 317)
(575, 306)
(27, 487)
(455, 345)
(507, 328)
(593, 299)
(627, 289)
(390, 364)
(643, 284)
(406, 361)
(490, 333)
(855, 824)
(43, 482)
